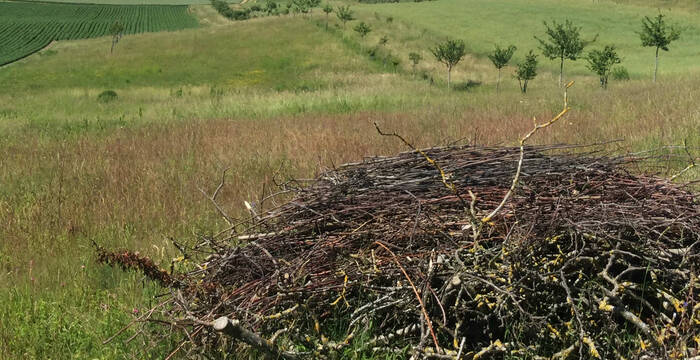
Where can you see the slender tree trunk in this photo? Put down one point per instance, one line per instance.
(498, 83)
(525, 87)
(561, 71)
(656, 65)
(111, 51)
(449, 73)
(326, 21)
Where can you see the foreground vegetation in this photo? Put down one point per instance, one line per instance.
(256, 96)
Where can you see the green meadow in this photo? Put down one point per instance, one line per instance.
(257, 96)
(483, 24)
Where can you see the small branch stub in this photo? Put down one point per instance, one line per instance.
(234, 329)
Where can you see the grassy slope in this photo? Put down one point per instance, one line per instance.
(126, 173)
(483, 23)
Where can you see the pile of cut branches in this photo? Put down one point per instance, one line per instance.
(585, 259)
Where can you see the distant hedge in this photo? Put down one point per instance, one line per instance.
(226, 11)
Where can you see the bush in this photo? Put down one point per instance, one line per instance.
(107, 96)
(620, 73)
(465, 86)
(241, 14)
(226, 11)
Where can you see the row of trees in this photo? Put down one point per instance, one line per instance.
(563, 42)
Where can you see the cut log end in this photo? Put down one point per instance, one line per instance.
(221, 323)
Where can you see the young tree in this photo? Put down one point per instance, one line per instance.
(328, 9)
(344, 14)
(656, 33)
(601, 62)
(382, 43)
(500, 58)
(449, 53)
(563, 42)
(415, 59)
(117, 31)
(362, 29)
(526, 70)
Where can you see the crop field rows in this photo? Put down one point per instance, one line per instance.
(29, 27)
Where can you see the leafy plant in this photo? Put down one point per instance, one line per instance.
(450, 53)
(328, 9)
(526, 70)
(116, 30)
(107, 96)
(601, 62)
(656, 33)
(363, 29)
(620, 73)
(344, 14)
(415, 58)
(500, 58)
(563, 42)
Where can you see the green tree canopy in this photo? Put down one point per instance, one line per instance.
(563, 42)
(344, 14)
(449, 53)
(500, 58)
(656, 33)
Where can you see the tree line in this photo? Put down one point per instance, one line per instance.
(563, 42)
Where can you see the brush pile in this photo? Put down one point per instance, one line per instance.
(585, 260)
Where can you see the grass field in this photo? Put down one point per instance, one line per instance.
(255, 96)
(28, 27)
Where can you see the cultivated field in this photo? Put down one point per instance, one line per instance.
(258, 96)
(27, 27)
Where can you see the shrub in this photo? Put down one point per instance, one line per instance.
(107, 96)
(363, 29)
(226, 11)
(620, 73)
(526, 71)
(466, 86)
(222, 8)
(601, 62)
